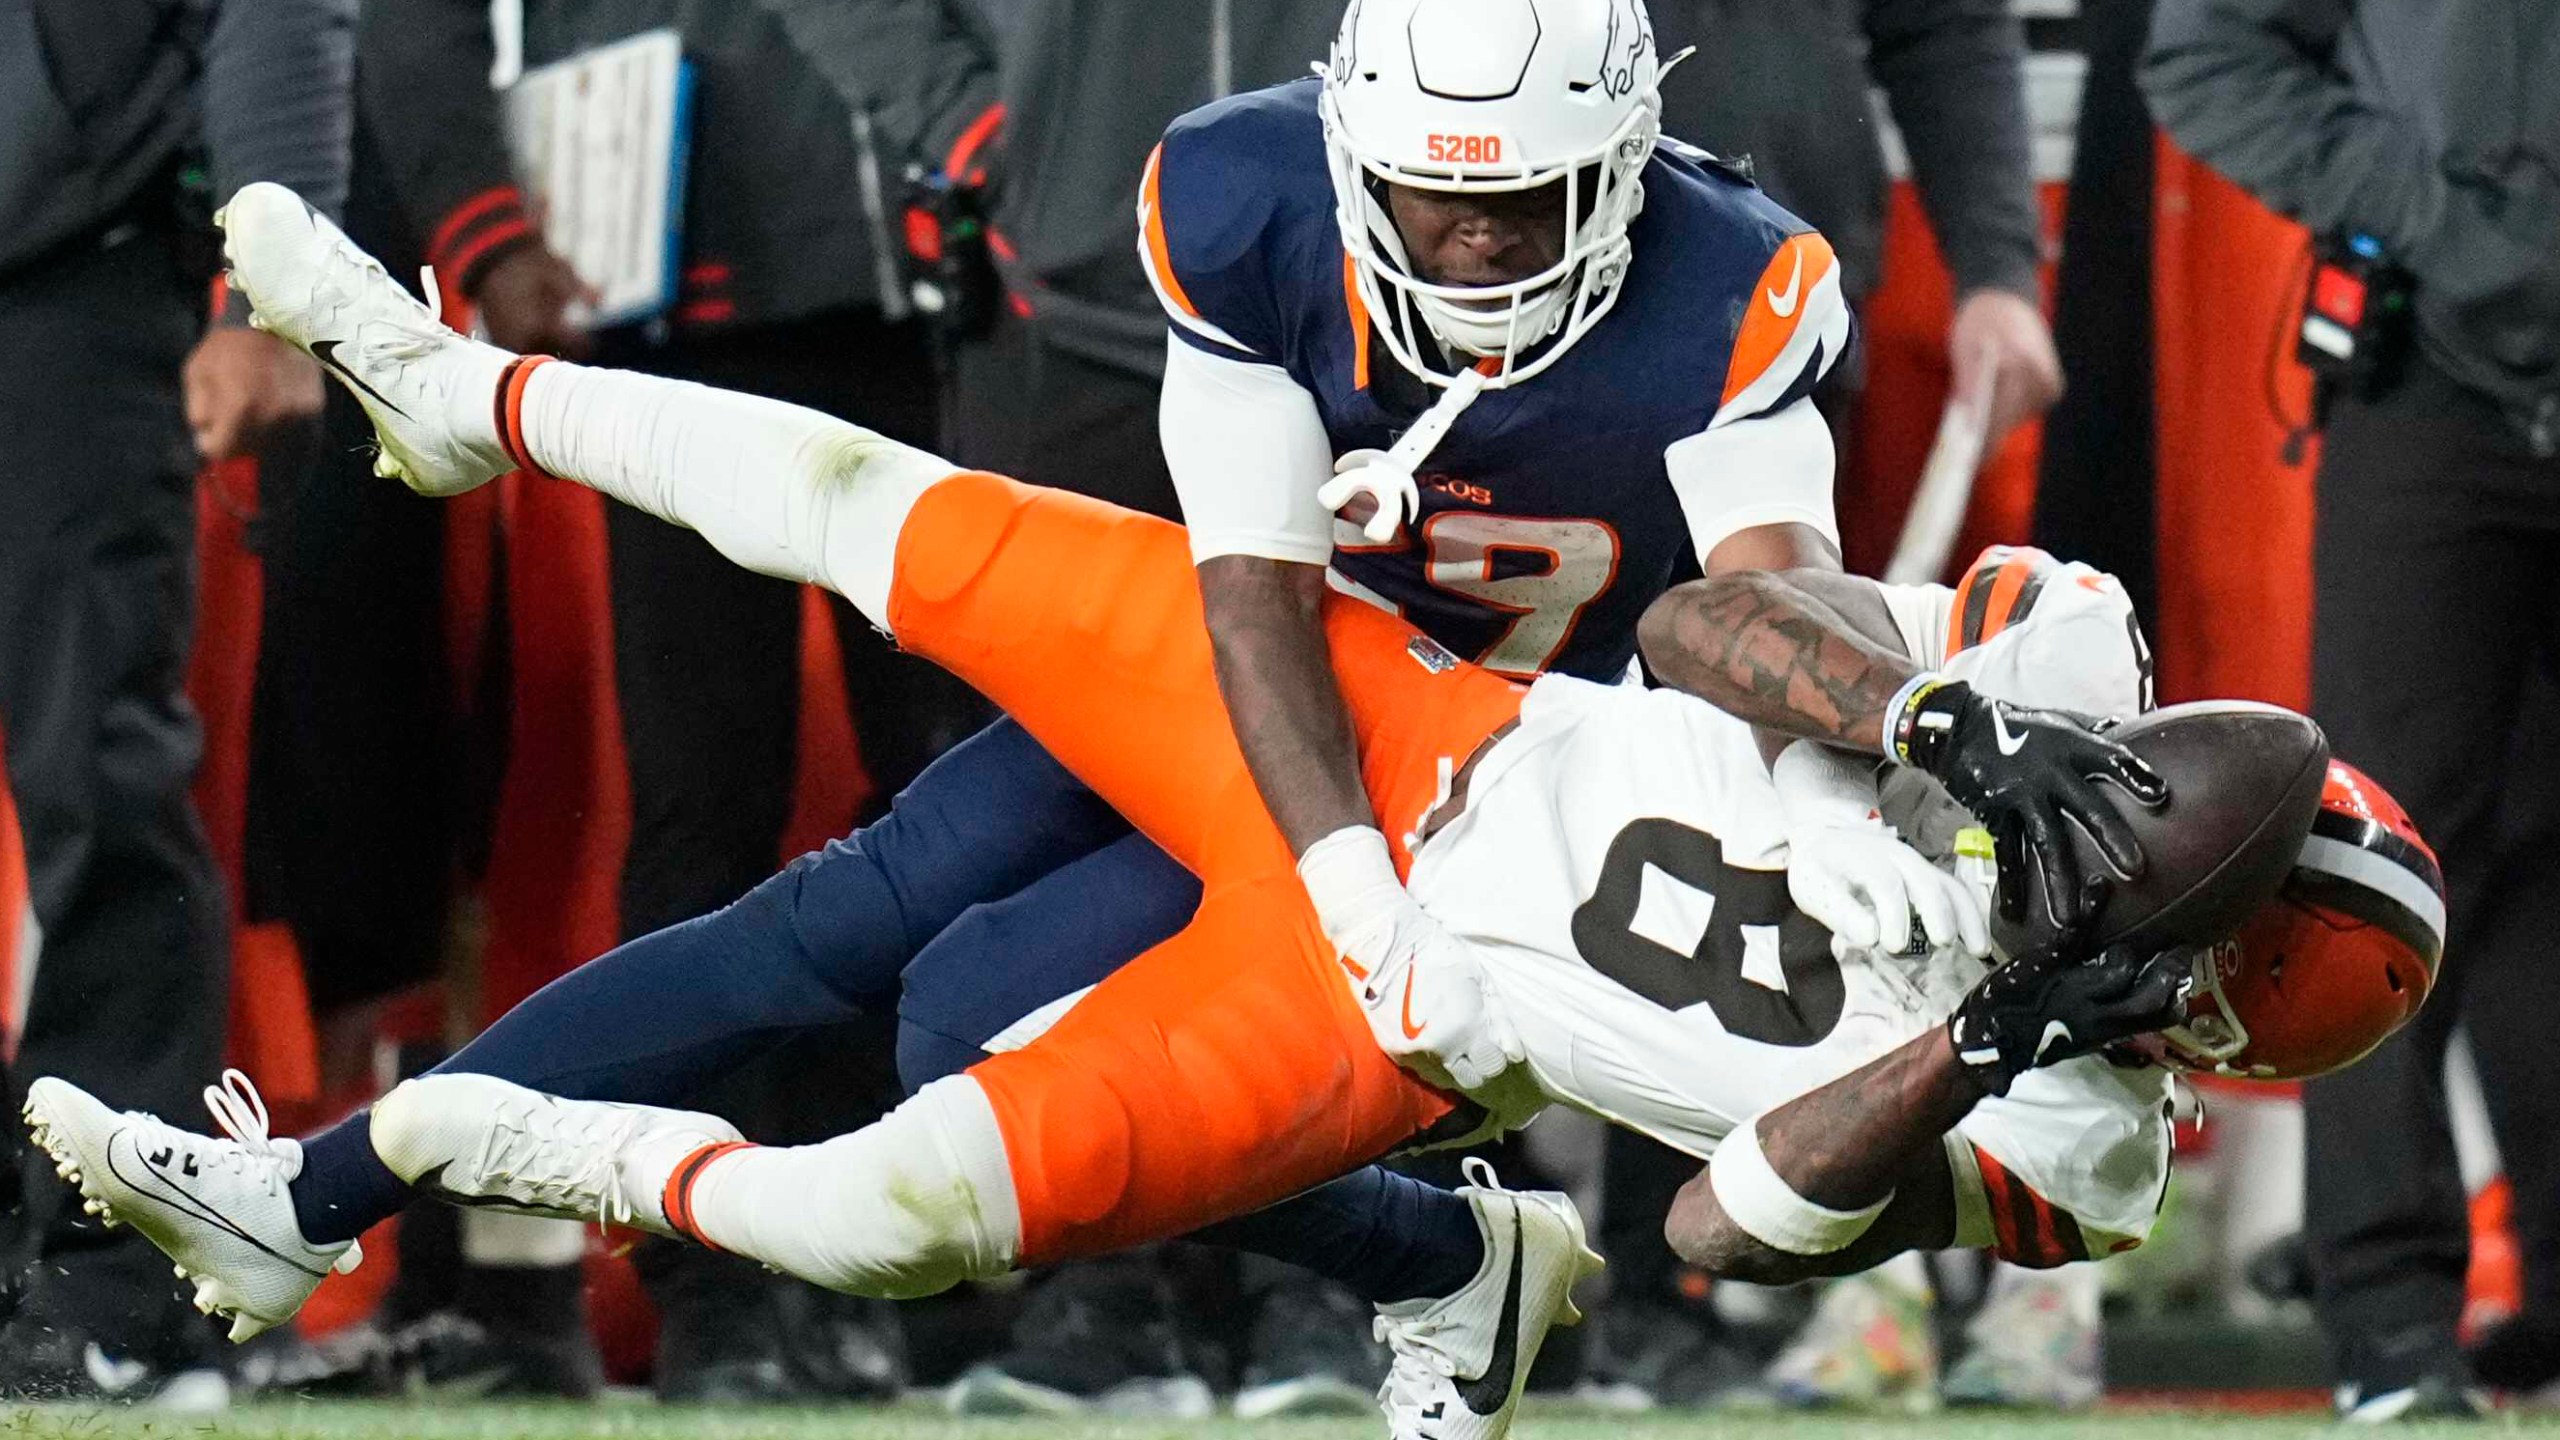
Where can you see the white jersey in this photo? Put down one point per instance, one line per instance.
(1620, 867)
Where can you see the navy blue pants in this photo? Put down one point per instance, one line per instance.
(997, 884)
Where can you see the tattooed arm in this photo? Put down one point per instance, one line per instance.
(1873, 1132)
(1801, 650)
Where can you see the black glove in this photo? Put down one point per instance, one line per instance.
(2055, 1003)
(2021, 771)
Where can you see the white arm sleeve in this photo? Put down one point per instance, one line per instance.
(1771, 470)
(1920, 612)
(1248, 453)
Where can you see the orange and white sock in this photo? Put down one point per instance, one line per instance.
(779, 489)
(909, 1205)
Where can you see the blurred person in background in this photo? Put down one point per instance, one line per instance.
(803, 112)
(2428, 135)
(1058, 378)
(117, 393)
(1786, 87)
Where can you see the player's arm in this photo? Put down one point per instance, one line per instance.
(1248, 452)
(1776, 649)
(1775, 635)
(1755, 487)
(1854, 1172)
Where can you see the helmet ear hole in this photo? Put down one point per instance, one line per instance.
(2391, 976)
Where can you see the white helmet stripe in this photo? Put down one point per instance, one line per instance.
(2374, 872)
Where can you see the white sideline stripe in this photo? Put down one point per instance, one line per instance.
(2348, 862)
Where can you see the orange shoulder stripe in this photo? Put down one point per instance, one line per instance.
(1775, 308)
(1359, 322)
(1151, 212)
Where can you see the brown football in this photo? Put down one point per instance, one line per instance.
(2244, 783)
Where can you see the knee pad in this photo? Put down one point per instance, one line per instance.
(910, 1205)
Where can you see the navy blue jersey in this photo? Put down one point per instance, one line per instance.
(1548, 519)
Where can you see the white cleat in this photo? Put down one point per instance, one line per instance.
(218, 1207)
(1462, 1360)
(431, 393)
(479, 1140)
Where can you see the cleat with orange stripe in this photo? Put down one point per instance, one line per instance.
(436, 399)
(478, 1140)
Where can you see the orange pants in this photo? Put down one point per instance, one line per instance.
(1228, 1067)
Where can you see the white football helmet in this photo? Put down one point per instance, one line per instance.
(1492, 95)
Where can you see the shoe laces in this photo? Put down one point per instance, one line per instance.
(1423, 1366)
(528, 1144)
(242, 1113)
(1423, 1358)
(407, 331)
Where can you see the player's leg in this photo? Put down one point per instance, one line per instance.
(1084, 622)
(1196, 1083)
(651, 1021)
(998, 976)
(1221, 1071)
(654, 1020)
(1229, 1068)
(1080, 619)
(1004, 973)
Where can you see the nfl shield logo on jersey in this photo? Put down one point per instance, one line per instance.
(1431, 655)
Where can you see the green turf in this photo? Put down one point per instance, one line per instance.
(290, 1421)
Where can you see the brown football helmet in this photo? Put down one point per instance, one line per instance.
(2343, 955)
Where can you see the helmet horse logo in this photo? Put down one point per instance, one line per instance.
(1628, 40)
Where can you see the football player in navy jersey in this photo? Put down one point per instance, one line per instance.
(1453, 288)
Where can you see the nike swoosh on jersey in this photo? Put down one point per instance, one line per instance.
(2009, 741)
(1785, 302)
(326, 352)
(1487, 1393)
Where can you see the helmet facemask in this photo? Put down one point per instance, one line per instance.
(1476, 97)
(1602, 196)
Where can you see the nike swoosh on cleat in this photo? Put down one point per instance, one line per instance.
(177, 1199)
(1489, 1392)
(430, 1183)
(326, 352)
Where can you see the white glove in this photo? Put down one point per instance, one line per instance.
(1847, 869)
(1865, 885)
(1389, 484)
(1425, 996)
